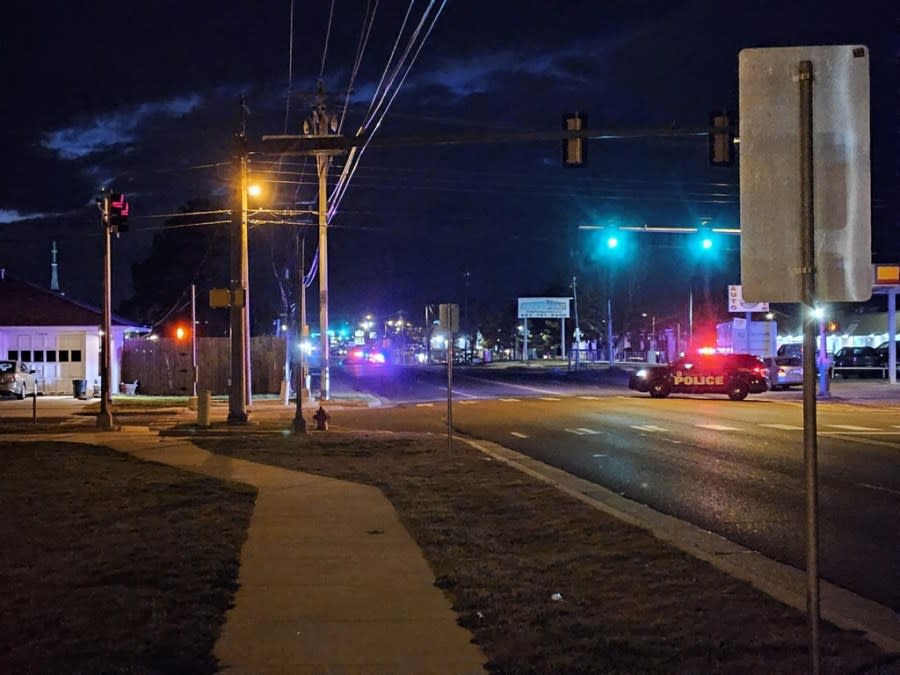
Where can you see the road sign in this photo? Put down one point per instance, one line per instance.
(543, 308)
(736, 302)
(770, 173)
(449, 317)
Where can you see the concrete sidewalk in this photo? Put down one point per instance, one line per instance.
(330, 581)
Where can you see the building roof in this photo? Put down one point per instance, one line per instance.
(24, 304)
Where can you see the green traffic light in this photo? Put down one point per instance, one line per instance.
(706, 243)
(612, 242)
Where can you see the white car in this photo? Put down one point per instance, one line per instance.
(16, 379)
(785, 372)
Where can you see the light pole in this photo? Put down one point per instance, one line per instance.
(238, 395)
(299, 423)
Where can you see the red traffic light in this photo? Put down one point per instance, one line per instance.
(118, 211)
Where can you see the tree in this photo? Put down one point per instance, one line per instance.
(187, 250)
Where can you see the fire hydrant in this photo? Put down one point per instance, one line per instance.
(321, 417)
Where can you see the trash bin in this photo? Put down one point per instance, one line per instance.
(79, 388)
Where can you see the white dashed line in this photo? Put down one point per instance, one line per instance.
(648, 427)
(783, 427)
(589, 398)
(424, 405)
(716, 427)
(509, 400)
(549, 398)
(517, 434)
(850, 427)
(589, 431)
(599, 455)
(467, 402)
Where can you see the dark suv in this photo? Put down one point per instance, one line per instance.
(733, 374)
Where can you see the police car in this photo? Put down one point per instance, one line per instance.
(736, 375)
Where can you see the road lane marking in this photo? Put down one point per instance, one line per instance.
(581, 431)
(517, 434)
(549, 398)
(716, 427)
(879, 488)
(597, 454)
(509, 400)
(589, 398)
(783, 427)
(467, 402)
(424, 405)
(589, 431)
(647, 427)
(850, 427)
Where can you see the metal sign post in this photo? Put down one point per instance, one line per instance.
(808, 287)
(787, 114)
(449, 317)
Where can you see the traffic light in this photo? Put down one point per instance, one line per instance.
(721, 138)
(574, 150)
(117, 212)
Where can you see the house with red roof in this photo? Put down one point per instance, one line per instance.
(57, 336)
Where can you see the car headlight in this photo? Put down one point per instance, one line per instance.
(642, 373)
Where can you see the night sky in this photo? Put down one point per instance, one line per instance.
(143, 98)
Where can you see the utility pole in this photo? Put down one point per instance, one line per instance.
(319, 125)
(238, 395)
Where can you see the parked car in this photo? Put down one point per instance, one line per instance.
(16, 379)
(860, 360)
(790, 349)
(883, 354)
(785, 372)
(733, 374)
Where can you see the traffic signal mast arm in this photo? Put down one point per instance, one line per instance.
(298, 145)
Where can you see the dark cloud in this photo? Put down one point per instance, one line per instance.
(144, 96)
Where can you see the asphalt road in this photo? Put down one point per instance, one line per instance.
(734, 468)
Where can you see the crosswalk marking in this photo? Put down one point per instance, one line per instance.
(783, 427)
(850, 427)
(647, 427)
(716, 427)
(517, 434)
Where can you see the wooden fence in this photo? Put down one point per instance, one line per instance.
(163, 366)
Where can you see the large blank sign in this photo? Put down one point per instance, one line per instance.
(770, 173)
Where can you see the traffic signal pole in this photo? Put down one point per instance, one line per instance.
(104, 417)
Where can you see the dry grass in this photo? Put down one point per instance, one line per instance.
(501, 544)
(113, 565)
